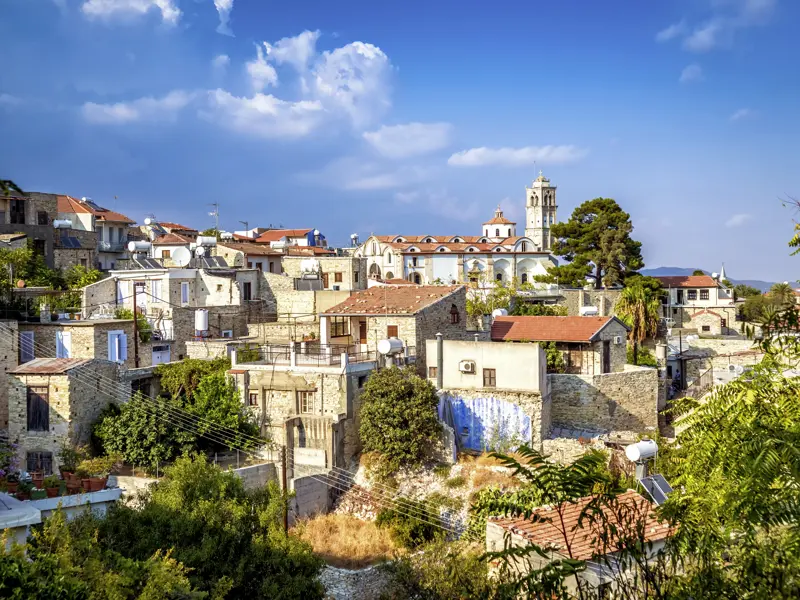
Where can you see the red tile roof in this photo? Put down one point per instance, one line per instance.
(171, 239)
(393, 300)
(251, 249)
(688, 281)
(176, 226)
(585, 541)
(68, 204)
(549, 329)
(274, 235)
(49, 366)
(398, 282)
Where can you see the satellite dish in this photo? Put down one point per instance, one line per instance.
(148, 221)
(316, 232)
(181, 256)
(199, 251)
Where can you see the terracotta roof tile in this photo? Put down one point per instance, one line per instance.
(548, 329)
(251, 249)
(49, 366)
(393, 300)
(68, 204)
(171, 239)
(274, 235)
(684, 281)
(499, 221)
(585, 541)
(176, 226)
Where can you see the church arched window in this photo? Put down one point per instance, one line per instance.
(509, 232)
(524, 278)
(497, 232)
(499, 276)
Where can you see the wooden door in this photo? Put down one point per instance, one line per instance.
(325, 281)
(362, 332)
(606, 356)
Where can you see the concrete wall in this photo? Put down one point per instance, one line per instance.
(618, 402)
(257, 476)
(312, 496)
(517, 366)
(102, 292)
(9, 359)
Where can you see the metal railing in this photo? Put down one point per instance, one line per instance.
(300, 354)
(105, 246)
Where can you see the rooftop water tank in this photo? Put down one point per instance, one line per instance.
(139, 246)
(499, 312)
(201, 319)
(62, 224)
(390, 346)
(206, 240)
(589, 311)
(643, 450)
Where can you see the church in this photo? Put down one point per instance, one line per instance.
(497, 254)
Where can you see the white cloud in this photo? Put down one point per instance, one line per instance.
(406, 197)
(737, 220)
(296, 51)
(401, 141)
(704, 38)
(352, 173)
(109, 9)
(8, 101)
(261, 72)
(671, 32)
(220, 62)
(264, 115)
(691, 74)
(353, 79)
(481, 157)
(742, 113)
(224, 8)
(142, 109)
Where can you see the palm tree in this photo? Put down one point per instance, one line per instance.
(640, 308)
(782, 295)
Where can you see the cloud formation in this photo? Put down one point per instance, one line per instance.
(512, 157)
(411, 139)
(691, 73)
(738, 220)
(125, 9)
(224, 8)
(142, 109)
(740, 114)
(262, 74)
(263, 115)
(671, 32)
(220, 62)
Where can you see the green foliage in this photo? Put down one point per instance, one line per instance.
(399, 418)
(182, 378)
(8, 187)
(698, 272)
(755, 308)
(78, 277)
(741, 290)
(17, 259)
(529, 309)
(412, 525)
(644, 358)
(63, 560)
(554, 356)
(640, 309)
(145, 331)
(596, 243)
(781, 295)
(499, 437)
(70, 456)
(442, 471)
(247, 353)
(230, 538)
(484, 300)
(438, 500)
(37, 274)
(455, 482)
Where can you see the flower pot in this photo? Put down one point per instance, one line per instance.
(23, 496)
(73, 487)
(38, 480)
(52, 492)
(12, 487)
(38, 494)
(65, 474)
(97, 483)
(86, 484)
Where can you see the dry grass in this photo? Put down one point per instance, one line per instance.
(489, 461)
(485, 477)
(345, 541)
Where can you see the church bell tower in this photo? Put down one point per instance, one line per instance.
(540, 212)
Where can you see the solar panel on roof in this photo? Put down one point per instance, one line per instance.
(657, 487)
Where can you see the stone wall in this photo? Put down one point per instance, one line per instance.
(574, 299)
(626, 401)
(361, 584)
(437, 319)
(282, 331)
(89, 339)
(220, 318)
(9, 359)
(102, 292)
(352, 270)
(207, 350)
(696, 318)
(64, 258)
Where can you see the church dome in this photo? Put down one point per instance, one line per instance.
(499, 219)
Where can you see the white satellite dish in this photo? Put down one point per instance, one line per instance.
(181, 256)
(199, 251)
(316, 232)
(148, 221)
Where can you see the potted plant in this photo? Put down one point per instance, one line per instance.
(12, 482)
(82, 476)
(24, 490)
(37, 479)
(37, 494)
(97, 470)
(69, 457)
(52, 485)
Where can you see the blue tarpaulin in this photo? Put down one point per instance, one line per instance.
(481, 421)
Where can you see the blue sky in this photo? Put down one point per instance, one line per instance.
(416, 117)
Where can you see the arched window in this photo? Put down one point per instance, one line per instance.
(498, 249)
(454, 316)
(388, 258)
(524, 278)
(428, 240)
(412, 249)
(374, 248)
(470, 249)
(441, 249)
(417, 278)
(389, 275)
(498, 276)
(497, 232)
(509, 232)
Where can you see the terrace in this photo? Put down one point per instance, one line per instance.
(308, 354)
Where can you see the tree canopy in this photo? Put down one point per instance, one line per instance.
(596, 241)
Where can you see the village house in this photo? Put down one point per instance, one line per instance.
(498, 254)
(337, 273)
(250, 255)
(548, 527)
(699, 302)
(55, 401)
(411, 314)
(164, 247)
(32, 214)
(590, 345)
(113, 230)
(491, 392)
(284, 238)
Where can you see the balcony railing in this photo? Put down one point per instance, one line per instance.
(105, 246)
(316, 355)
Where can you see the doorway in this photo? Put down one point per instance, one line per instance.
(362, 332)
(606, 356)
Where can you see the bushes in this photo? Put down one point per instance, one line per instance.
(399, 417)
(412, 524)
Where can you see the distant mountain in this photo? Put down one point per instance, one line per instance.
(666, 271)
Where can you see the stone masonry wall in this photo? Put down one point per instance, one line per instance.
(625, 401)
(102, 292)
(220, 318)
(88, 339)
(604, 300)
(9, 359)
(361, 584)
(282, 331)
(436, 319)
(352, 270)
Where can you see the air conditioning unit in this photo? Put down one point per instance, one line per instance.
(336, 288)
(618, 339)
(466, 366)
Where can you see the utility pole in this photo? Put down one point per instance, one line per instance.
(285, 491)
(215, 214)
(135, 331)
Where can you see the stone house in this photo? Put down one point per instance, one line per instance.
(113, 230)
(169, 299)
(9, 359)
(53, 401)
(338, 273)
(548, 525)
(74, 247)
(284, 238)
(33, 214)
(698, 302)
(491, 390)
(412, 314)
(305, 396)
(590, 345)
(250, 255)
(164, 247)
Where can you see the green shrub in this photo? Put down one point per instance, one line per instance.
(442, 471)
(644, 357)
(145, 331)
(438, 500)
(457, 481)
(411, 523)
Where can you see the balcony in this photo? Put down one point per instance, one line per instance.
(301, 355)
(104, 246)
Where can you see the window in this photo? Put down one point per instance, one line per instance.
(509, 232)
(417, 278)
(362, 380)
(524, 246)
(184, 292)
(306, 401)
(260, 266)
(340, 326)
(26, 347)
(499, 276)
(692, 294)
(227, 333)
(391, 331)
(117, 346)
(428, 240)
(39, 461)
(41, 217)
(63, 344)
(724, 323)
(155, 289)
(489, 378)
(249, 265)
(524, 278)
(674, 311)
(17, 212)
(433, 372)
(38, 409)
(39, 247)
(337, 278)
(497, 232)
(703, 294)
(706, 327)
(84, 263)
(355, 275)
(166, 254)
(247, 291)
(454, 316)
(414, 261)
(252, 399)
(441, 249)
